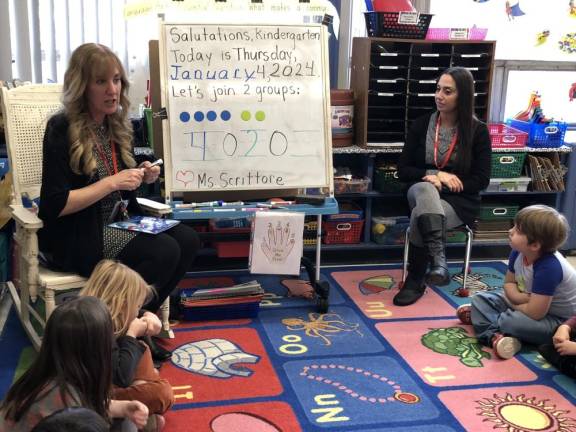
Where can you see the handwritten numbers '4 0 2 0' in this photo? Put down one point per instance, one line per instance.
(214, 145)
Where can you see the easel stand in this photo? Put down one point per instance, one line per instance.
(321, 288)
(245, 110)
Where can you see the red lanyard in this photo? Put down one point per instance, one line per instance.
(450, 149)
(103, 156)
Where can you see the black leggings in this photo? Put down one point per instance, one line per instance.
(162, 259)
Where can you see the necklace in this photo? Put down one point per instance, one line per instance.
(436, 145)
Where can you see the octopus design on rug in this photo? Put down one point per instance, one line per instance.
(217, 358)
(329, 324)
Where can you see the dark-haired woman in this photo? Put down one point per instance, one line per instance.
(446, 158)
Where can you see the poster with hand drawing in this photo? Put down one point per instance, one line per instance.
(276, 246)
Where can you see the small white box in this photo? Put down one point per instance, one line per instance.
(515, 184)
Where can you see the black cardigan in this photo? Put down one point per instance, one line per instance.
(73, 242)
(126, 354)
(412, 167)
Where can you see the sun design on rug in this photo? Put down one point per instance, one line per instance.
(520, 414)
(317, 372)
(318, 324)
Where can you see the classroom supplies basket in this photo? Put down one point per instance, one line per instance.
(507, 164)
(389, 230)
(386, 179)
(339, 232)
(472, 33)
(542, 135)
(354, 185)
(231, 249)
(386, 25)
(503, 136)
(497, 211)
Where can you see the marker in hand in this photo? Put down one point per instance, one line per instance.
(153, 164)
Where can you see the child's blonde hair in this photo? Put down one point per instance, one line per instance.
(543, 224)
(122, 290)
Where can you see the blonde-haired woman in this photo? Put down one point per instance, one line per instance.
(90, 176)
(124, 292)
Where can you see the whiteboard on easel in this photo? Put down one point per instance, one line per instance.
(247, 105)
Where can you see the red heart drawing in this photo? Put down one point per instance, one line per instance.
(185, 177)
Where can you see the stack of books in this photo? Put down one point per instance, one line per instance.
(233, 302)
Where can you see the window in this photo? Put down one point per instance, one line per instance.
(553, 87)
(519, 26)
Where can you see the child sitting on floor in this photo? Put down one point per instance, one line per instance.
(562, 352)
(72, 369)
(133, 374)
(539, 288)
(73, 419)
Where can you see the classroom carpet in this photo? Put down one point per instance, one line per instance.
(366, 365)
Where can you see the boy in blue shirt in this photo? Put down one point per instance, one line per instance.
(539, 288)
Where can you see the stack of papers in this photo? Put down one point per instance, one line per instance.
(238, 301)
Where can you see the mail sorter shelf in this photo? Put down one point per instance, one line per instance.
(394, 81)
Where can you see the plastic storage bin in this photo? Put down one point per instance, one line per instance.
(542, 135)
(497, 211)
(389, 230)
(502, 136)
(472, 33)
(356, 185)
(310, 233)
(386, 179)
(385, 25)
(347, 211)
(507, 164)
(227, 312)
(337, 232)
(231, 249)
(455, 236)
(518, 184)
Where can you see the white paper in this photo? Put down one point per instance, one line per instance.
(276, 246)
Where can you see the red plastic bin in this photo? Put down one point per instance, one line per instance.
(342, 232)
(502, 136)
(230, 249)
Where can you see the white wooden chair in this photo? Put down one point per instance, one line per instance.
(26, 110)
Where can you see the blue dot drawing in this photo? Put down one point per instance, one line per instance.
(225, 115)
(184, 117)
(198, 116)
(211, 115)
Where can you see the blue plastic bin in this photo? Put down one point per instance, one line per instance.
(542, 135)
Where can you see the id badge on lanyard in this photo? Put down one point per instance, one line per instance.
(119, 211)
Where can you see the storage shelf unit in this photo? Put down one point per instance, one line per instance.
(394, 81)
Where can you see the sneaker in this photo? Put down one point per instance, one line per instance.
(464, 313)
(505, 347)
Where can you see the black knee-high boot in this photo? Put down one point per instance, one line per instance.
(414, 286)
(433, 231)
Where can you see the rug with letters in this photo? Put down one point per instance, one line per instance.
(366, 365)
